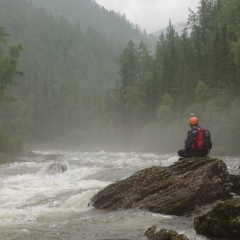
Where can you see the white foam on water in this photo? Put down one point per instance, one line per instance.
(28, 191)
(19, 168)
(78, 202)
(32, 195)
(25, 197)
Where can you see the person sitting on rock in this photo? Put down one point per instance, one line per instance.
(198, 142)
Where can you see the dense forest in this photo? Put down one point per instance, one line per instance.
(82, 77)
(66, 68)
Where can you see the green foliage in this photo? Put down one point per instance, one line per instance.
(8, 69)
(8, 144)
(8, 62)
(128, 65)
(202, 92)
(236, 50)
(166, 106)
(195, 72)
(72, 62)
(114, 27)
(134, 100)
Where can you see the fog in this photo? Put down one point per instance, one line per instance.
(155, 137)
(152, 15)
(72, 95)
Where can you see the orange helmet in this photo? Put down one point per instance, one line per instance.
(193, 121)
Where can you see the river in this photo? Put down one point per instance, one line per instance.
(44, 203)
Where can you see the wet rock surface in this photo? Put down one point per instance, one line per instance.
(57, 167)
(235, 179)
(163, 234)
(222, 221)
(177, 189)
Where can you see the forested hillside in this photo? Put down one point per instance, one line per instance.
(115, 27)
(91, 80)
(66, 65)
(191, 73)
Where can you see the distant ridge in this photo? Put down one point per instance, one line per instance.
(178, 28)
(114, 26)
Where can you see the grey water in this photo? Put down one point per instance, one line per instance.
(46, 195)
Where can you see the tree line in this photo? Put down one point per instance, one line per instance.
(195, 72)
(67, 66)
(82, 90)
(8, 70)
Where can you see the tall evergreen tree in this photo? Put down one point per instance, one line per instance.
(8, 70)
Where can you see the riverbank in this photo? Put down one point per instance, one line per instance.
(5, 158)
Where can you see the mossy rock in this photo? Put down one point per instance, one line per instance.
(222, 221)
(163, 234)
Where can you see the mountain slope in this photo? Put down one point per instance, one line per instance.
(70, 59)
(87, 13)
(66, 71)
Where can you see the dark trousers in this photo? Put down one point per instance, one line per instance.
(188, 153)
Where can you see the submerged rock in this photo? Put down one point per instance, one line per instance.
(163, 234)
(57, 167)
(175, 190)
(223, 221)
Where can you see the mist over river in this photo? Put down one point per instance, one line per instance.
(40, 202)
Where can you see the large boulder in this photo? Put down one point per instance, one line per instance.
(222, 221)
(163, 234)
(175, 190)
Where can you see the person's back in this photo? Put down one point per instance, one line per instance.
(198, 142)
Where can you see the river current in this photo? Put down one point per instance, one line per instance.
(46, 196)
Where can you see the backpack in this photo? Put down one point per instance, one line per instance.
(204, 139)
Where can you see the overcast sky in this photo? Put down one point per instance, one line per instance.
(152, 15)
